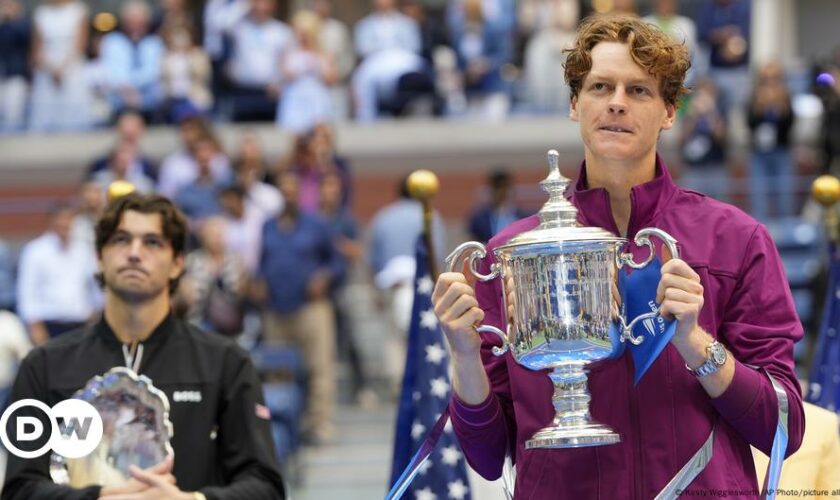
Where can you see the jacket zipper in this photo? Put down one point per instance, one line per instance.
(638, 473)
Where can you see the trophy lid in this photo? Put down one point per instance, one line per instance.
(558, 217)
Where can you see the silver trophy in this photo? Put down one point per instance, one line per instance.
(136, 430)
(559, 277)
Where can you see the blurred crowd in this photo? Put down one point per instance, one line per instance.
(63, 67)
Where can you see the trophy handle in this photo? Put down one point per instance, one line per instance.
(497, 351)
(476, 251)
(642, 238)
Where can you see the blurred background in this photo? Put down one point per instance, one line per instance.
(214, 103)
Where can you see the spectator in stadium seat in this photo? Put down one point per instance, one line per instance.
(185, 75)
(122, 166)
(251, 173)
(307, 72)
(219, 18)
(199, 198)
(257, 46)
(56, 290)
(179, 168)
(336, 41)
(15, 33)
(483, 48)
(132, 60)
(130, 128)
(60, 92)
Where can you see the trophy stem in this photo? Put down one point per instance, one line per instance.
(572, 426)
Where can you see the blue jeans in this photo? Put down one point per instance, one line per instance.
(771, 176)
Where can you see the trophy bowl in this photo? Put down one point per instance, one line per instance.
(560, 278)
(136, 430)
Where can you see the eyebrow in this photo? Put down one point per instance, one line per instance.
(634, 81)
(142, 235)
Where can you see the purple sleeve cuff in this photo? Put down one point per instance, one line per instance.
(479, 415)
(742, 393)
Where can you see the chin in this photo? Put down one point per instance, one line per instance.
(133, 293)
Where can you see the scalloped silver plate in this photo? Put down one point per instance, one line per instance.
(136, 430)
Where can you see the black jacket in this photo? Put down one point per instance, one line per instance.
(222, 448)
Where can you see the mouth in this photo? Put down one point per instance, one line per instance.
(133, 270)
(617, 129)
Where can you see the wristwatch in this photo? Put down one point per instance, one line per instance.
(715, 358)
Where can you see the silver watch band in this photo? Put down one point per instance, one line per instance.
(710, 366)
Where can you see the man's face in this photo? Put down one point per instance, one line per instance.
(138, 262)
(131, 128)
(619, 107)
(289, 187)
(262, 9)
(384, 4)
(61, 224)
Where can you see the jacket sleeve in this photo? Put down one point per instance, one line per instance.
(249, 465)
(29, 478)
(760, 326)
(487, 431)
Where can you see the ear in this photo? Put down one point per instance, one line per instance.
(573, 112)
(177, 267)
(670, 116)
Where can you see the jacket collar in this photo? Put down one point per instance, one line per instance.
(646, 200)
(165, 328)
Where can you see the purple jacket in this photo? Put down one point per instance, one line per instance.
(666, 418)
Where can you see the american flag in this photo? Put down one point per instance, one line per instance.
(425, 397)
(824, 380)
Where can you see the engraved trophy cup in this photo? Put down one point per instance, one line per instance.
(560, 277)
(136, 430)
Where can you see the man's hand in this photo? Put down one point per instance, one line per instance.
(681, 296)
(134, 486)
(38, 332)
(457, 309)
(318, 286)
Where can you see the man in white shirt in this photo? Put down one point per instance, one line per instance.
(56, 288)
(258, 43)
(386, 28)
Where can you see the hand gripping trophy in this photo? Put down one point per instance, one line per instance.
(560, 277)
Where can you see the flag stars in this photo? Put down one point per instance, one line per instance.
(457, 490)
(425, 494)
(450, 455)
(417, 430)
(425, 285)
(440, 387)
(435, 353)
(424, 467)
(428, 319)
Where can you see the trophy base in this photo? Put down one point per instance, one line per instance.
(578, 436)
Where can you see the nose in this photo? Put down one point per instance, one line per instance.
(618, 102)
(134, 249)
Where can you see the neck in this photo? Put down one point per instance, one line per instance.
(289, 214)
(134, 322)
(618, 178)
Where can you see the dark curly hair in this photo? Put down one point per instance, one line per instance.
(652, 49)
(174, 224)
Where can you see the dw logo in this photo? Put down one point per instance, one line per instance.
(75, 428)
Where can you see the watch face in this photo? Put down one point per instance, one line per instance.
(718, 354)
